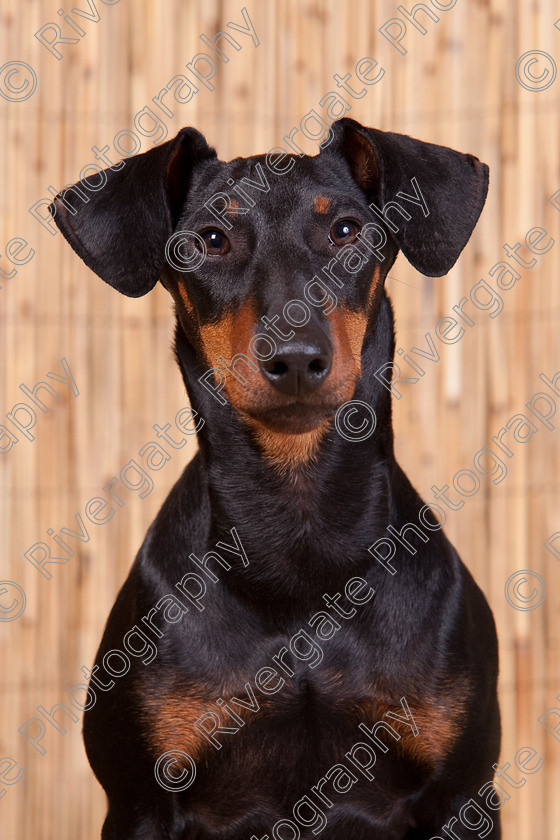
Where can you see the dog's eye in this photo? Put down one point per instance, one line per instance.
(344, 232)
(216, 242)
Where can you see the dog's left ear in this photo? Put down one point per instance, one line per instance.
(444, 201)
(120, 226)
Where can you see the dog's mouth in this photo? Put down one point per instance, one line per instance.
(295, 418)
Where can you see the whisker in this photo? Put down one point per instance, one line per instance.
(397, 280)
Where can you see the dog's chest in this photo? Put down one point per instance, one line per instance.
(302, 724)
(326, 734)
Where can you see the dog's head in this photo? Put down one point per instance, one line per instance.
(276, 262)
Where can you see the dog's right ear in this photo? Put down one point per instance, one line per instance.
(120, 226)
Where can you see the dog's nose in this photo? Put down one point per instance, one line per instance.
(300, 365)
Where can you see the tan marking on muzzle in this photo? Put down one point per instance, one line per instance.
(231, 336)
(373, 287)
(185, 298)
(347, 335)
(228, 338)
(216, 340)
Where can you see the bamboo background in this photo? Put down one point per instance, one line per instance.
(456, 86)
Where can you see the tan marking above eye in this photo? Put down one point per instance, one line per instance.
(321, 204)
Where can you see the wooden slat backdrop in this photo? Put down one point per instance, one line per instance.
(456, 86)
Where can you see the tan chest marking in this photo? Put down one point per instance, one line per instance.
(433, 728)
(188, 718)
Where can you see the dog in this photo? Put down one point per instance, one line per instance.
(277, 648)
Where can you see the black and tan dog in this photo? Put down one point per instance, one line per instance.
(289, 660)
